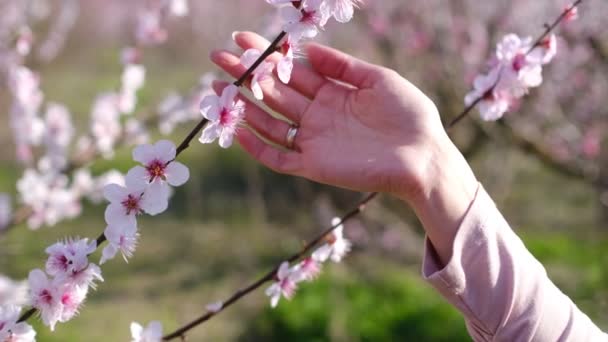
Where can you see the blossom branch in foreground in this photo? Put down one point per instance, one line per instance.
(486, 85)
(272, 273)
(184, 144)
(272, 48)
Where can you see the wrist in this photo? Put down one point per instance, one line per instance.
(446, 190)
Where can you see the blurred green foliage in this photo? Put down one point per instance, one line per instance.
(343, 305)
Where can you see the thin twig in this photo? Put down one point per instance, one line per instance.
(271, 274)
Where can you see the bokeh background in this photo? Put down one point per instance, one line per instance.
(545, 164)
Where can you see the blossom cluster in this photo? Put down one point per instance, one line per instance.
(287, 278)
(59, 291)
(301, 20)
(44, 134)
(515, 68)
(51, 193)
(146, 190)
(150, 30)
(51, 197)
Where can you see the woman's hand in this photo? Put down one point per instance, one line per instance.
(361, 126)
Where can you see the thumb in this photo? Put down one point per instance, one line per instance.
(340, 66)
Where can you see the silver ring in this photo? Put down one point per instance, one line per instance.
(291, 136)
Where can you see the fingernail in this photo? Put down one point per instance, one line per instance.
(234, 34)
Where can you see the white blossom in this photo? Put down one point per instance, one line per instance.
(225, 114)
(152, 333)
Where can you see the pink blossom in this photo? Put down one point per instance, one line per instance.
(133, 79)
(130, 55)
(285, 285)
(591, 145)
(135, 132)
(546, 50)
(68, 261)
(24, 42)
(126, 202)
(308, 269)
(285, 66)
(72, 298)
(152, 333)
(49, 197)
(179, 8)
(214, 307)
(571, 13)
(120, 238)
(225, 113)
(46, 297)
(159, 170)
(10, 330)
(494, 102)
(25, 86)
(59, 127)
(105, 123)
(306, 21)
(248, 58)
(342, 10)
(521, 71)
(149, 30)
(336, 247)
(28, 128)
(56, 300)
(57, 136)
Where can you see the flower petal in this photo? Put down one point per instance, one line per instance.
(322, 253)
(249, 57)
(210, 107)
(283, 270)
(226, 138)
(290, 14)
(135, 183)
(256, 89)
(156, 199)
(165, 150)
(116, 214)
(228, 96)
(210, 133)
(344, 11)
(155, 330)
(177, 173)
(285, 68)
(144, 153)
(136, 330)
(274, 300)
(138, 175)
(115, 193)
